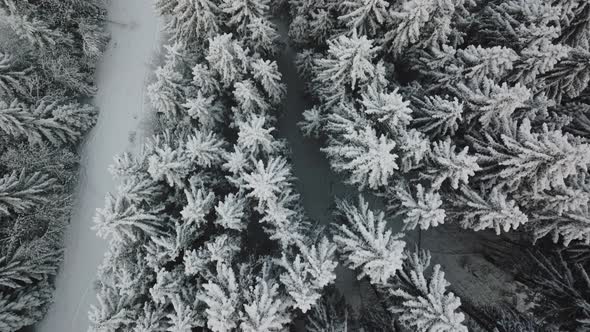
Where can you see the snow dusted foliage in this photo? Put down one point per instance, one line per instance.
(367, 157)
(309, 273)
(168, 87)
(364, 16)
(243, 12)
(20, 192)
(425, 303)
(466, 112)
(389, 108)
(190, 19)
(205, 149)
(494, 211)
(493, 104)
(542, 160)
(267, 73)
(206, 213)
(263, 36)
(490, 62)
(24, 307)
(265, 309)
(349, 62)
(266, 182)
(48, 53)
(447, 164)
(35, 31)
(227, 58)
(421, 23)
(419, 207)
(221, 298)
(12, 79)
(312, 122)
(437, 116)
(47, 121)
(230, 212)
(331, 314)
(367, 244)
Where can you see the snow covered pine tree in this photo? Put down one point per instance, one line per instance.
(48, 52)
(206, 228)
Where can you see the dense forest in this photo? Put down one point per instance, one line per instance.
(48, 53)
(471, 114)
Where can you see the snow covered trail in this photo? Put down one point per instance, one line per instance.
(121, 78)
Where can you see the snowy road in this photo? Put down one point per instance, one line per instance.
(121, 80)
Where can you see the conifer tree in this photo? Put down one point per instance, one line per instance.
(367, 244)
(494, 210)
(227, 58)
(243, 12)
(367, 157)
(364, 16)
(426, 305)
(12, 80)
(20, 192)
(191, 19)
(447, 164)
(35, 31)
(422, 208)
(23, 308)
(349, 62)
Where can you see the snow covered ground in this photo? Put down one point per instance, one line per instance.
(121, 79)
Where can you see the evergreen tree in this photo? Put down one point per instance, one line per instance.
(265, 309)
(191, 19)
(437, 116)
(255, 138)
(166, 91)
(227, 58)
(205, 110)
(388, 108)
(364, 16)
(205, 149)
(366, 243)
(35, 31)
(297, 282)
(569, 77)
(263, 36)
(24, 307)
(480, 211)
(222, 298)
(493, 104)
(446, 164)
(12, 80)
(266, 182)
(368, 158)
(243, 12)
(230, 212)
(540, 160)
(21, 192)
(267, 73)
(414, 17)
(122, 220)
(422, 208)
(349, 62)
(426, 305)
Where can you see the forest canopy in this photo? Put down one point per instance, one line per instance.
(48, 55)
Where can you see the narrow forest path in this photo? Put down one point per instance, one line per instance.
(317, 184)
(122, 76)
